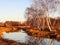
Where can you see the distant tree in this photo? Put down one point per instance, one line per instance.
(12, 23)
(2, 24)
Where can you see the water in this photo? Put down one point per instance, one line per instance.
(54, 42)
(17, 36)
(24, 38)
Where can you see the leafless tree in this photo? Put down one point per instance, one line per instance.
(40, 12)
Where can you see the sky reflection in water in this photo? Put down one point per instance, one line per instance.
(23, 37)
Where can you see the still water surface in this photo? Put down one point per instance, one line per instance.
(23, 37)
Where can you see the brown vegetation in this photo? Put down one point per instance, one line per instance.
(32, 30)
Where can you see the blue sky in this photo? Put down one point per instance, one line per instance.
(13, 9)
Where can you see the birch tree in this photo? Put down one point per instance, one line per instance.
(40, 10)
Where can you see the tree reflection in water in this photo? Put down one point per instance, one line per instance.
(22, 36)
